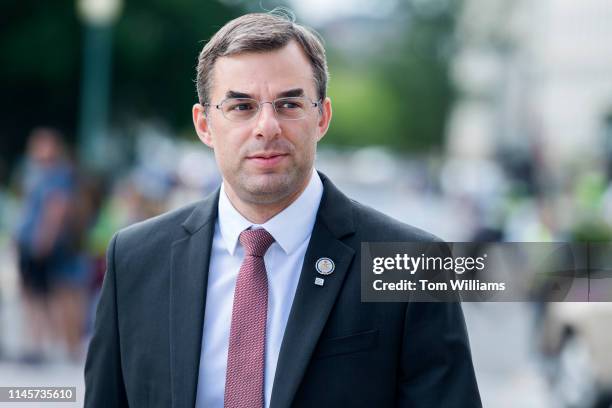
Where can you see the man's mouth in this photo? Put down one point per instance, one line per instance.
(267, 159)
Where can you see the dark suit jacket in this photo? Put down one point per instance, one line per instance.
(336, 351)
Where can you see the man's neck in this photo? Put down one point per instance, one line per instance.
(259, 213)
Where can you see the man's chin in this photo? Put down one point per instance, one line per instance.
(269, 188)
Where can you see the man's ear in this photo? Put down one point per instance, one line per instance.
(202, 125)
(324, 117)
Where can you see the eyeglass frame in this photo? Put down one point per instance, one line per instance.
(315, 104)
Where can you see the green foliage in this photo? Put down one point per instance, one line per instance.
(418, 71)
(156, 43)
(38, 42)
(591, 229)
(39, 55)
(364, 111)
(396, 91)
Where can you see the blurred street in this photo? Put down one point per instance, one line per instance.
(58, 375)
(13, 372)
(504, 357)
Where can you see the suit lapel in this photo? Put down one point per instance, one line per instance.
(312, 304)
(189, 276)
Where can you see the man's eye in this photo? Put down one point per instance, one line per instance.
(289, 105)
(242, 107)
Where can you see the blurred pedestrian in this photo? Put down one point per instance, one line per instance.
(48, 258)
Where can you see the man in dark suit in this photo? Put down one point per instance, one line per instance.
(252, 297)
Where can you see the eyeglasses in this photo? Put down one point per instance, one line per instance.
(245, 109)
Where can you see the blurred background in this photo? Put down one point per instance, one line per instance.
(476, 120)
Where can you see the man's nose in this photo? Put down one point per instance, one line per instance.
(267, 122)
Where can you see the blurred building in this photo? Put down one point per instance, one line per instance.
(535, 81)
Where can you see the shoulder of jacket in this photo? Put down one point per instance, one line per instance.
(166, 226)
(386, 228)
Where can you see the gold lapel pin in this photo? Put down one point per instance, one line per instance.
(325, 266)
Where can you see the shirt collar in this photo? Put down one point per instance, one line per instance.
(290, 227)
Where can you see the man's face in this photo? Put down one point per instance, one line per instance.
(44, 148)
(266, 159)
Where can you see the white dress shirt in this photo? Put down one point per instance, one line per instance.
(291, 229)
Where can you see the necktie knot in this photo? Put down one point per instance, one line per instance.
(256, 241)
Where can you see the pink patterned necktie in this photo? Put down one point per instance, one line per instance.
(244, 381)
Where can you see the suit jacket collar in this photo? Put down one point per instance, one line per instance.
(310, 310)
(190, 257)
(336, 210)
(204, 212)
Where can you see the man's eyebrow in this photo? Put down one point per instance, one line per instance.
(291, 93)
(236, 94)
(285, 94)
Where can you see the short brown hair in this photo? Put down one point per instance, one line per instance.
(261, 32)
